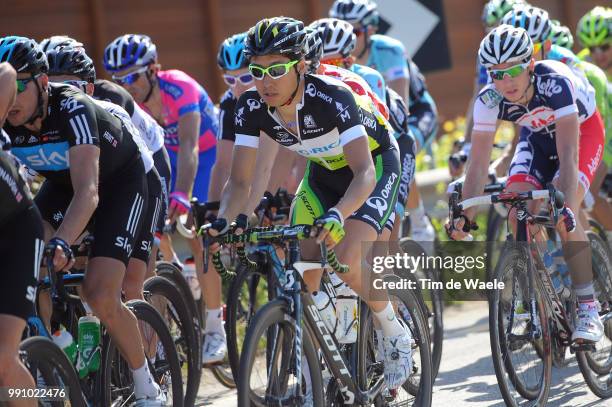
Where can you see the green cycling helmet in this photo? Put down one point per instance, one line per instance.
(494, 10)
(561, 35)
(595, 27)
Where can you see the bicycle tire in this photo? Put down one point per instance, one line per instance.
(111, 363)
(495, 223)
(511, 256)
(602, 278)
(180, 315)
(276, 313)
(54, 367)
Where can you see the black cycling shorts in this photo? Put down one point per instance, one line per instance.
(321, 189)
(117, 220)
(407, 148)
(161, 161)
(21, 250)
(144, 240)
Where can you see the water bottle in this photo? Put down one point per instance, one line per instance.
(327, 311)
(89, 345)
(346, 312)
(189, 272)
(64, 340)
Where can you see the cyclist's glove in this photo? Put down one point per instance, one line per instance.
(333, 222)
(180, 201)
(220, 225)
(241, 222)
(55, 242)
(568, 219)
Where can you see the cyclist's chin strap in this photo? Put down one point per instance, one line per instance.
(299, 78)
(152, 84)
(531, 81)
(368, 42)
(39, 107)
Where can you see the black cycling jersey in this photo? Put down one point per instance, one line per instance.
(227, 131)
(14, 193)
(329, 117)
(398, 112)
(417, 83)
(5, 141)
(73, 119)
(111, 92)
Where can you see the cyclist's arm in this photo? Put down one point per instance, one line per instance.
(359, 159)
(266, 157)
(476, 175)
(188, 133)
(8, 78)
(239, 182)
(220, 170)
(567, 130)
(84, 167)
(400, 85)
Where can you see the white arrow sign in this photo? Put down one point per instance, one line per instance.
(410, 21)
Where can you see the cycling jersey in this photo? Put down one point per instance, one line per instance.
(423, 119)
(388, 56)
(14, 194)
(558, 91)
(329, 116)
(74, 119)
(562, 54)
(482, 74)
(152, 134)
(357, 84)
(372, 77)
(5, 141)
(180, 95)
(226, 116)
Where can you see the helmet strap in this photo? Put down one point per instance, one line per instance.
(39, 105)
(152, 84)
(368, 42)
(290, 100)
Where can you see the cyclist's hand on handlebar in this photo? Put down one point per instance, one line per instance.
(179, 205)
(63, 258)
(567, 219)
(332, 228)
(456, 229)
(456, 164)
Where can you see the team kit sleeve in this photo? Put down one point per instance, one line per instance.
(226, 120)
(189, 101)
(393, 55)
(246, 121)
(486, 110)
(78, 122)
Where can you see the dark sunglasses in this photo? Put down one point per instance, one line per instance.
(360, 30)
(131, 77)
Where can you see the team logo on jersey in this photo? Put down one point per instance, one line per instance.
(537, 119)
(284, 138)
(309, 121)
(254, 104)
(19, 139)
(343, 112)
(70, 104)
(311, 90)
(548, 87)
(491, 98)
(32, 140)
(108, 137)
(238, 117)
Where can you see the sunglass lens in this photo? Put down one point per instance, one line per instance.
(246, 78)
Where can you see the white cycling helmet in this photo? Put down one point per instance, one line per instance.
(362, 12)
(337, 36)
(533, 19)
(505, 43)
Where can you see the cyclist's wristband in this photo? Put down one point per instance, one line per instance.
(337, 213)
(57, 241)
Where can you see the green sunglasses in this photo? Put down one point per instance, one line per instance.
(23, 83)
(513, 71)
(274, 71)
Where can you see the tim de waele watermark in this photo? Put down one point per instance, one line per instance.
(411, 263)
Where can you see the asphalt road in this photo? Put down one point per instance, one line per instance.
(466, 375)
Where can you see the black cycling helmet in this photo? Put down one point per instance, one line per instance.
(24, 54)
(56, 41)
(314, 48)
(71, 61)
(279, 35)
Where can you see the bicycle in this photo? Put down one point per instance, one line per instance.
(527, 313)
(293, 356)
(112, 383)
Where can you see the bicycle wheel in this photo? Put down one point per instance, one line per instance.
(167, 299)
(116, 383)
(50, 367)
(247, 292)
(523, 366)
(596, 366)
(496, 235)
(432, 304)
(268, 377)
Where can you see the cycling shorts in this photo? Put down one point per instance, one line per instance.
(21, 250)
(162, 165)
(536, 162)
(407, 152)
(206, 160)
(144, 240)
(321, 189)
(116, 222)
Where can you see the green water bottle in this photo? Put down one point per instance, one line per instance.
(63, 339)
(89, 345)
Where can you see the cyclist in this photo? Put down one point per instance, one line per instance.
(564, 145)
(20, 222)
(340, 175)
(74, 67)
(492, 14)
(93, 165)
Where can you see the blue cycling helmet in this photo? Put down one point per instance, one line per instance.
(24, 54)
(129, 50)
(230, 56)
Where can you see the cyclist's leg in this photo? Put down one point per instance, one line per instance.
(21, 249)
(603, 208)
(165, 244)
